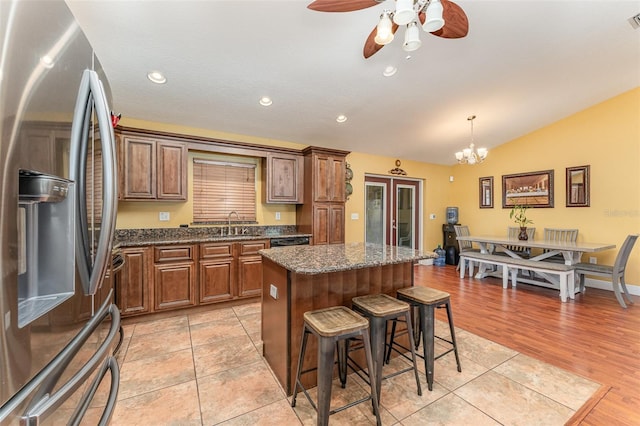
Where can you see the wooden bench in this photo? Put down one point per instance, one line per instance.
(513, 264)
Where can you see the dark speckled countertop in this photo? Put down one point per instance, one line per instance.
(158, 236)
(341, 257)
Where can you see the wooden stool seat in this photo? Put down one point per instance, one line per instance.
(380, 305)
(424, 295)
(335, 321)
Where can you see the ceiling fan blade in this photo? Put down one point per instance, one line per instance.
(342, 5)
(456, 24)
(370, 45)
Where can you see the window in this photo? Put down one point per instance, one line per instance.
(220, 187)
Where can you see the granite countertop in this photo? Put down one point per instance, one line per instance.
(162, 236)
(341, 257)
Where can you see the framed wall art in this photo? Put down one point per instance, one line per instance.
(486, 192)
(578, 186)
(533, 189)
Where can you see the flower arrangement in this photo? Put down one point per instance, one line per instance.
(519, 215)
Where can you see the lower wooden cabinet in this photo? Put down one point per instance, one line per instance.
(162, 278)
(133, 290)
(217, 272)
(174, 286)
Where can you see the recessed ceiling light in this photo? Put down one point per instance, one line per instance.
(157, 77)
(389, 71)
(341, 118)
(265, 101)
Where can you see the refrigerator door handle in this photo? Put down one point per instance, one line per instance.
(44, 405)
(110, 365)
(92, 92)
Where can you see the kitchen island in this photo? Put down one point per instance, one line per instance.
(304, 278)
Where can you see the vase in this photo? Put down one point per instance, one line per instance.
(523, 236)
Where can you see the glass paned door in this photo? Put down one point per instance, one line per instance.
(392, 211)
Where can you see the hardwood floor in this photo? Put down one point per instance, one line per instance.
(592, 336)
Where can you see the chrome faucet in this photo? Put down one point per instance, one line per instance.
(229, 219)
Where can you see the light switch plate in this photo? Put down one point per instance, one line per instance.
(273, 291)
(355, 216)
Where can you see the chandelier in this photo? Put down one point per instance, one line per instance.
(408, 13)
(471, 155)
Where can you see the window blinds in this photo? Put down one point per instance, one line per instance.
(222, 187)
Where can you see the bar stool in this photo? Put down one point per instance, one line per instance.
(426, 300)
(331, 326)
(380, 308)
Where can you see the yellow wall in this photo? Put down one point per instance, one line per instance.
(605, 136)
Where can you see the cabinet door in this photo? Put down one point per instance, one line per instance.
(250, 276)
(172, 171)
(138, 158)
(174, 285)
(336, 224)
(217, 280)
(134, 286)
(284, 178)
(320, 224)
(329, 173)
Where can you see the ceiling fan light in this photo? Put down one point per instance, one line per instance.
(384, 33)
(404, 12)
(434, 20)
(411, 38)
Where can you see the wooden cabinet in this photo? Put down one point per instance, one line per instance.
(152, 169)
(328, 223)
(328, 177)
(163, 278)
(284, 178)
(250, 268)
(133, 292)
(217, 272)
(174, 277)
(322, 213)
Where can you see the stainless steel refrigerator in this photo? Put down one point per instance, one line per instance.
(58, 200)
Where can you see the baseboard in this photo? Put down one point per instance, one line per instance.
(606, 285)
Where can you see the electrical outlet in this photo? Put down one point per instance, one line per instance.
(273, 291)
(277, 215)
(164, 216)
(593, 260)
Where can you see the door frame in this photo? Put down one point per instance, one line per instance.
(390, 233)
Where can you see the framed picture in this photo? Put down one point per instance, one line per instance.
(578, 186)
(534, 189)
(486, 192)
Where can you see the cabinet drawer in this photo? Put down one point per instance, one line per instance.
(253, 247)
(214, 250)
(173, 253)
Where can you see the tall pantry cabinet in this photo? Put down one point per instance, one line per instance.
(322, 213)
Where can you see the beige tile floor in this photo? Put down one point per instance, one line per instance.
(207, 369)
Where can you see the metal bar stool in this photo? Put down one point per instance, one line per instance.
(331, 326)
(426, 300)
(380, 308)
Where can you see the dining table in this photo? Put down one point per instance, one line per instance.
(571, 253)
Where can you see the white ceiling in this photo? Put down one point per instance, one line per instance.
(523, 65)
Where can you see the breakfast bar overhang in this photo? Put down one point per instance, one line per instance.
(304, 278)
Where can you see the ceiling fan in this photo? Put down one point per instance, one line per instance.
(442, 18)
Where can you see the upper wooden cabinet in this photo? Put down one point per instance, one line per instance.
(284, 178)
(328, 177)
(322, 213)
(152, 169)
